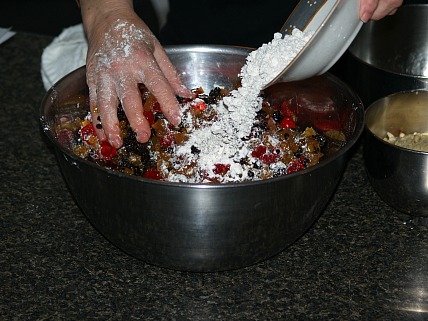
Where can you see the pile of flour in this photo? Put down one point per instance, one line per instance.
(220, 142)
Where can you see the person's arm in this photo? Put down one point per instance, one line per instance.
(377, 9)
(122, 53)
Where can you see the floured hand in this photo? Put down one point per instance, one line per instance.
(122, 53)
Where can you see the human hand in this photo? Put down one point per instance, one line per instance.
(377, 9)
(122, 53)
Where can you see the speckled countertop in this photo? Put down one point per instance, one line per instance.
(360, 261)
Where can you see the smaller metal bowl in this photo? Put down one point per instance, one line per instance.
(399, 175)
(390, 55)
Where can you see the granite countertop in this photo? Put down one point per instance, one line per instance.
(360, 261)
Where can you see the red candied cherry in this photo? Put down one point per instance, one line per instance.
(150, 116)
(221, 169)
(167, 140)
(107, 151)
(87, 131)
(287, 122)
(269, 158)
(259, 151)
(295, 166)
(198, 104)
(156, 107)
(153, 174)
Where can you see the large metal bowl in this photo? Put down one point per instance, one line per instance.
(203, 227)
(390, 55)
(399, 175)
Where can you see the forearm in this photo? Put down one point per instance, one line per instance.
(97, 12)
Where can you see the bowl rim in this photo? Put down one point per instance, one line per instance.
(386, 143)
(357, 106)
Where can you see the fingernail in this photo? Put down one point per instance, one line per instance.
(176, 119)
(115, 141)
(365, 17)
(143, 136)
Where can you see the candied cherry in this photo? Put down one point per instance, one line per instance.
(150, 116)
(295, 166)
(153, 174)
(167, 140)
(264, 155)
(221, 169)
(107, 151)
(259, 151)
(287, 122)
(157, 108)
(87, 131)
(269, 158)
(198, 104)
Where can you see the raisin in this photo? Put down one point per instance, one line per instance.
(298, 152)
(257, 165)
(170, 150)
(277, 116)
(279, 172)
(194, 150)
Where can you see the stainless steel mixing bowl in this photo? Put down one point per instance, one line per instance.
(399, 175)
(390, 55)
(203, 227)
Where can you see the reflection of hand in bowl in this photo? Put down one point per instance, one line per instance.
(202, 227)
(398, 174)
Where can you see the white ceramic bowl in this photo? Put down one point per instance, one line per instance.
(334, 27)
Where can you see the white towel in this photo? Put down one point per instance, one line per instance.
(64, 54)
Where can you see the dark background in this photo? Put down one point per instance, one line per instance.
(50, 17)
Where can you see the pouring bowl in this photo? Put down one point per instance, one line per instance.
(332, 24)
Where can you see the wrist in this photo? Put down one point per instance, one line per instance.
(99, 13)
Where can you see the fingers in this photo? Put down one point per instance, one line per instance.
(107, 107)
(102, 95)
(377, 9)
(170, 72)
(160, 87)
(119, 81)
(95, 113)
(130, 54)
(130, 98)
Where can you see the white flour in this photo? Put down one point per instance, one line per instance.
(221, 143)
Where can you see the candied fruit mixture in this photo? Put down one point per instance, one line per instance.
(276, 145)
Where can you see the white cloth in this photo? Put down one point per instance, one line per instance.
(5, 34)
(64, 54)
